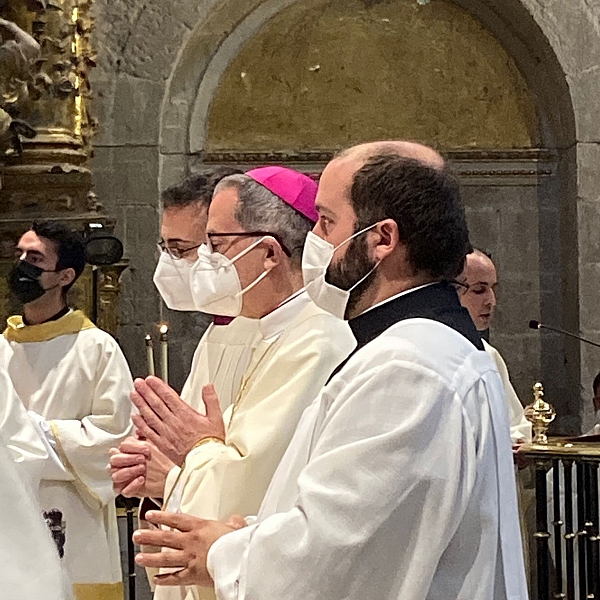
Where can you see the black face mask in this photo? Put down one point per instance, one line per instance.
(24, 281)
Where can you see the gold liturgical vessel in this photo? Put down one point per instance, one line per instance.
(540, 414)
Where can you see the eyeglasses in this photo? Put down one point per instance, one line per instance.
(475, 288)
(176, 253)
(248, 234)
(459, 286)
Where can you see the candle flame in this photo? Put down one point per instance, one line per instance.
(149, 340)
(164, 328)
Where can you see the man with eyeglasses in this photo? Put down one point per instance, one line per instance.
(250, 267)
(477, 293)
(224, 350)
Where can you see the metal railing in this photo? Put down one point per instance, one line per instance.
(567, 553)
(128, 508)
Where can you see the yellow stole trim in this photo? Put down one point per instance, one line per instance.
(88, 495)
(73, 322)
(98, 591)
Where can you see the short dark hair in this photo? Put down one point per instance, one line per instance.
(426, 205)
(197, 188)
(596, 383)
(70, 247)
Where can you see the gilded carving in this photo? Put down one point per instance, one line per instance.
(109, 288)
(19, 60)
(45, 59)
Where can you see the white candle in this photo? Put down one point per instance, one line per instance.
(164, 347)
(150, 355)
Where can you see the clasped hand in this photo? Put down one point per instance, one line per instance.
(139, 469)
(171, 424)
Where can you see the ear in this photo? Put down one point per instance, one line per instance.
(67, 276)
(274, 255)
(389, 239)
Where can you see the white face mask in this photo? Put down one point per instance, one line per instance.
(172, 279)
(316, 258)
(215, 283)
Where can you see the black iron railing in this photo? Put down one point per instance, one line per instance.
(567, 553)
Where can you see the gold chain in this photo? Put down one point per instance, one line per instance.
(247, 379)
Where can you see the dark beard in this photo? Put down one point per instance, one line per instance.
(355, 265)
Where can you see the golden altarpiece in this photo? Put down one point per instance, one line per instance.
(45, 138)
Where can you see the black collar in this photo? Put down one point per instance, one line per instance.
(438, 302)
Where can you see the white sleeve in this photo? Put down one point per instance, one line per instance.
(54, 469)
(26, 445)
(374, 460)
(83, 445)
(520, 427)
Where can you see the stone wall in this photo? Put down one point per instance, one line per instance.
(155, 72)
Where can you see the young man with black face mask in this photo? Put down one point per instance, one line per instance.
(75, 382)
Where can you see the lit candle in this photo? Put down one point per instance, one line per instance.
(150, 355)
(164, 347)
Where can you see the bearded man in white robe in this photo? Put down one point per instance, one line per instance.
(75, 382)
(398, 483)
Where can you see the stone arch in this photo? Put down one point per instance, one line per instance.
(530, 37)
(217, 39)
(325, 74)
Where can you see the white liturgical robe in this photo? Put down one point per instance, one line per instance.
(299, 345)
(398, 485)
(520, 427)
(29, 564)
(75, 380)
(26, 446)
(221, 359)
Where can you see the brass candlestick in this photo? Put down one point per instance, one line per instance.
(540, 414)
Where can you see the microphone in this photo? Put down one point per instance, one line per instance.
(538, 325)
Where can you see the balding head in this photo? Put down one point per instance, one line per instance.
(478, 294)
(342, 169)
(413, 150)
(410, 212)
